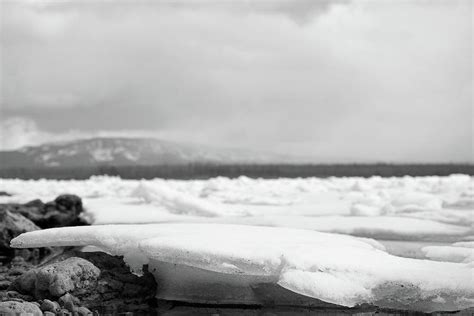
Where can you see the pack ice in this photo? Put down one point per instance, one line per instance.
(439, 209)
(224, 263)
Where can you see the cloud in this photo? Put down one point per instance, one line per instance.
(18, 132)
(345, 81)
(299, 11)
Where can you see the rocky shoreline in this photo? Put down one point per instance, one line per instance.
(60, 280)
(68, 281)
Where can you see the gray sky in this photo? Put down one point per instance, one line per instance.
(338, 81)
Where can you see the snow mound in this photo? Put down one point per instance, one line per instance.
(209, 262)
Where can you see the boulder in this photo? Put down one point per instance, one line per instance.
(19, 308)
(94, 280)
(73, 275)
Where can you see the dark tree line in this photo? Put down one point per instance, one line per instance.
(204, 171)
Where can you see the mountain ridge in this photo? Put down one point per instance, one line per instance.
(121, 151)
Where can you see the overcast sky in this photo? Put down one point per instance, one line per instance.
(337, 81)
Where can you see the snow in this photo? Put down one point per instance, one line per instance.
(243, 232)
(102, 154)
(334, 268)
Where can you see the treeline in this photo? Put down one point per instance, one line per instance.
(204, 171)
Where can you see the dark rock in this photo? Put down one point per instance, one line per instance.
(115, 285)
(68, 301)
(49, 306)
(64, 312)
(3, 193)
(12, 225)
(68, 304)
(116, 281)
(69, 202)
(14, 295)
(83, 311)
(19, 308)
(15, 271)
(4, 284)
(26, 283)
(65, 210)
(34, 203)
(19, 262)
(94, 281)
(16, 219)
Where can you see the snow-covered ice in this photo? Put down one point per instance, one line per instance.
(202, 225)
(436, 208)
(334, 268)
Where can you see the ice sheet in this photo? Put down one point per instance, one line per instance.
(334, 268)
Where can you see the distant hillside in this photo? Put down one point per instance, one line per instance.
(136, 158)
(126, 152)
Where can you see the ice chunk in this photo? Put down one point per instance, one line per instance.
(359, 209)
(225, 263)
(173, 200)
(413, 201)
(453, 253)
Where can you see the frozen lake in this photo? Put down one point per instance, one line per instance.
(270, 231)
